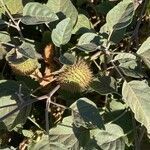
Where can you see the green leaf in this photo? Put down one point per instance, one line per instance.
(67, 59)
(44, 144)
(27, 50)
(104, 7)
(144, 52)
(14, 6)
(91, 47)
(86, 114)
(123, 57)
(109, 139)
(8, 96)
(137, 96)
(116, 35)
(88, 38)
(64, 136)
(4, 37)
(82, 26)
(104, 85)
(36, 13)
(62, 33)
(132, 69)
(120, 16)
(118, 114)
(65, 7)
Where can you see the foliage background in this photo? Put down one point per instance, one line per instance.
(112, 36)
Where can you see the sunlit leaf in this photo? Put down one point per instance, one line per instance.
(137, 96)
(83, 25)
(121, 15)
(88, 38)
(64, 136)
(62, 33)
(36, 13)
(64, 7)
(91, 47)
(112, 138)
(144, 52)
(8, 96)
(123, 57)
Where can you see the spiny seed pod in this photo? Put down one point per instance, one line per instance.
(25, 67)
(76, 78)
(20, 64)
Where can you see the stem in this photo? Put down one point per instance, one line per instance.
(117, 118)
(10, 105)
(97, 65)
(36, 124)
(136, 31)
(119, 72)
(15, 24)
(136, 139)
(48, 102)
(8, 44)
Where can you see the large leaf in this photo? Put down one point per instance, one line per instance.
(104, 85)
(65, 136)
(124, 12)
(36, 13)
(86, 114)
(116, 35)
(123, 57)
(44, 144)
(62, 33)
(131, 68)
(109, 139)
(8, 96)
(63, 6)
(144, 52)
(83, 25)
(137, 96)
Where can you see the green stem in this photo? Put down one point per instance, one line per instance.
(117, 118)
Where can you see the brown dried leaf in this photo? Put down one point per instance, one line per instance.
(48, 53)
(48, 77)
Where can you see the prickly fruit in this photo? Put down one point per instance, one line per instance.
(76, 78)
(20, 64)
(26, 67)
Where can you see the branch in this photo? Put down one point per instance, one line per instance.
(136, 31)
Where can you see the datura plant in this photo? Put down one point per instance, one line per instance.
(75, 74)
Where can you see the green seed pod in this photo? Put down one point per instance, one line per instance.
(20, 64)
(26, 67)
(76, 78)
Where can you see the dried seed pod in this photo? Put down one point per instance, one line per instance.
(76, 78)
